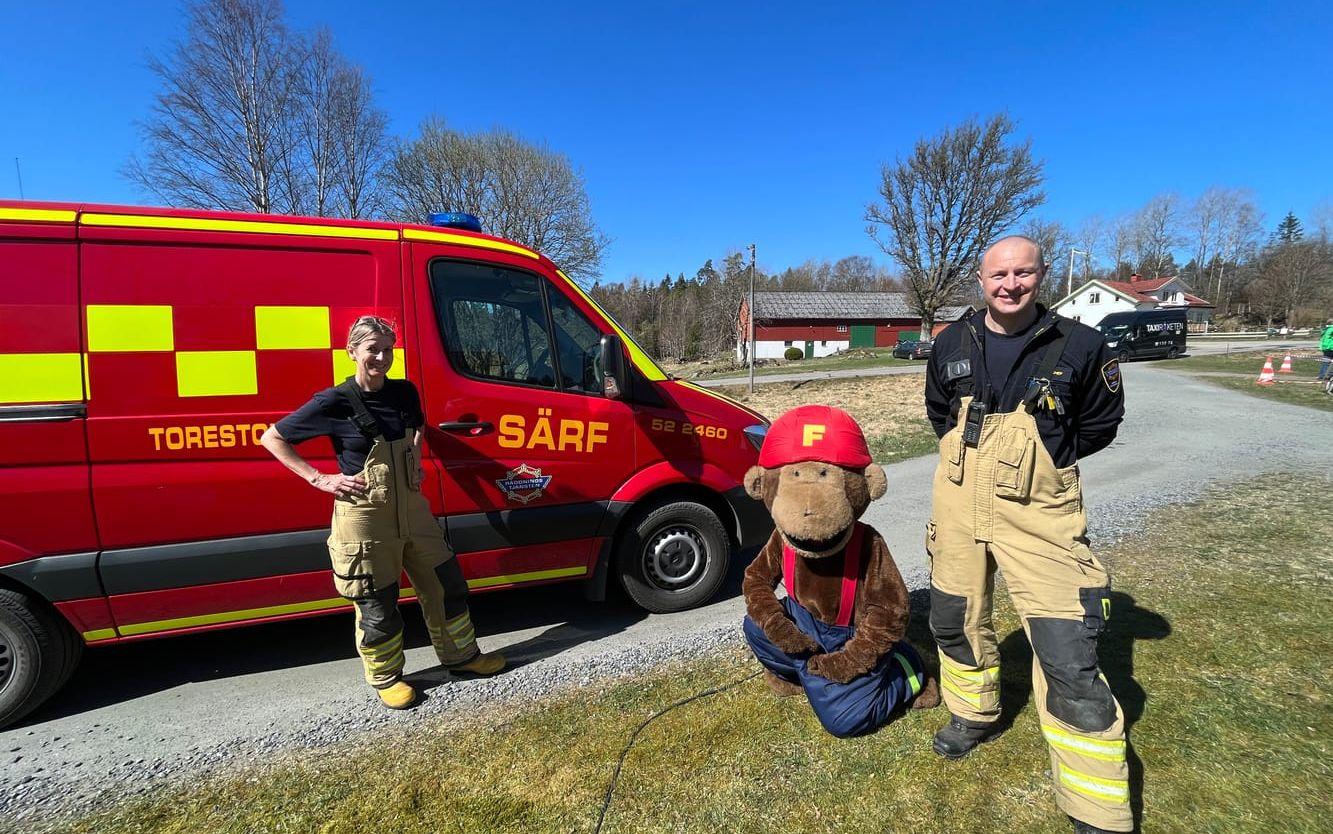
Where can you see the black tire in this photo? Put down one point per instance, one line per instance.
(674, 557)
(35, 655)
(1123, 356)
(1172, 352)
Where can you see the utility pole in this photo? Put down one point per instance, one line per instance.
(19, 171)
(1069, 281)
(751, 351)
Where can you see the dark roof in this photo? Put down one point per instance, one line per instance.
(952, 313)
(832, 305)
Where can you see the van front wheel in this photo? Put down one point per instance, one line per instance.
(674, 557)
(33, 656)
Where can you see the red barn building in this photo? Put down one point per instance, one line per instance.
(823, 323)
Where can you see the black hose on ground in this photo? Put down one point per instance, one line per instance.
(611, 788)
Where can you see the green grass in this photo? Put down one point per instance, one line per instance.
(1238, 371)
(1219, 649)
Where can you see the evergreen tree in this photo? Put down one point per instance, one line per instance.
(1289, 230)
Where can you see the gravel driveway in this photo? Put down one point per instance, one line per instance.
(140, 713)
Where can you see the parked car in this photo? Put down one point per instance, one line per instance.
(912, 350)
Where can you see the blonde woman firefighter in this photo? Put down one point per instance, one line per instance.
(382, 524)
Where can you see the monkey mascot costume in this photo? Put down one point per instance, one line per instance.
(838, 634)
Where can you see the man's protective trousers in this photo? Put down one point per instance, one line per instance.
(1003, 503)
(374, 540)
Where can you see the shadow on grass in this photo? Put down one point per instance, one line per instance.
(1129, 623)
(579, 621)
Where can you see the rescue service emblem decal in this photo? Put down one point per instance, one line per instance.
(1111, 375)
(524, 483)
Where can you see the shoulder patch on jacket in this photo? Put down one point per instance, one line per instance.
(957, 369)
(1111, 376)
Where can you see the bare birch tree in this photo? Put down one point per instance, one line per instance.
(521, 191)
(1120, 243)
(1090, 239)
(1055, 242)
(1238, 228)
(343, 135)
(944, 204)
(219, 134)
(254, 117)
(362, 145)
(1157, 235)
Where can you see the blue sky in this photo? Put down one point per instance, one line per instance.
(702, 127)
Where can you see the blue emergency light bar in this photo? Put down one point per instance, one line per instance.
(456, 220)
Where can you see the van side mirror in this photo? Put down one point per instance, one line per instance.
(615, 383)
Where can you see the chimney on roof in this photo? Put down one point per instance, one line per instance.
(1135, 278)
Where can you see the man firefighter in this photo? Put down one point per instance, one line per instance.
(1017, 396)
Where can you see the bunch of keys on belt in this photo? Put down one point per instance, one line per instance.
(1040, 395)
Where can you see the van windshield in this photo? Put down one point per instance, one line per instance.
(1113, 328)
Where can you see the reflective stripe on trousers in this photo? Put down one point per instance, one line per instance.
(1005, 505)
(373, 540)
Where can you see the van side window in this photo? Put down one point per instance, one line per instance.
(493, 322)
(578, 344)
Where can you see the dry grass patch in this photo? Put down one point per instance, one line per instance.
(890, 409)
(726, 366)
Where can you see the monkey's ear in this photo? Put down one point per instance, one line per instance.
(754, 482)
(876, 481)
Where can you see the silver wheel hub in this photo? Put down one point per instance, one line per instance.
(674, 558)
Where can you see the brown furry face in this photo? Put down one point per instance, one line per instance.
(814, 504)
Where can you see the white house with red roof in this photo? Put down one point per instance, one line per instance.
(1095, 300)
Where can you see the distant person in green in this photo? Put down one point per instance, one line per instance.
(1326, 345)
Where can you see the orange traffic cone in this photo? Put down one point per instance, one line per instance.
(1266, 375)
(1286, 365)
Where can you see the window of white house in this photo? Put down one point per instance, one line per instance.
(1094, 298)
(786, 344)
(842, 328)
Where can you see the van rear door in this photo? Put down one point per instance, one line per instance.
(531, 447)
(45, 506)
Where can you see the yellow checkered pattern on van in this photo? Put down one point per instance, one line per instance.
(149, 328)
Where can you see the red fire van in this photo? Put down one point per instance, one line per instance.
(144, 351)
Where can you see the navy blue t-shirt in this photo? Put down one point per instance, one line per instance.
(396, 408)
(1002, 355)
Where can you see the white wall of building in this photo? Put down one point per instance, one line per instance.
(775, 349)
(1092, 303)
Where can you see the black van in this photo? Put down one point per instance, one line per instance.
(1145, 334)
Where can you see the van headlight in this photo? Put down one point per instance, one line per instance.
(756, 434)
(1112, 344)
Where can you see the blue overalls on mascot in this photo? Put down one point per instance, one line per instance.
(838, 636)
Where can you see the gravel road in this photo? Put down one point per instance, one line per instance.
(1197, 347)
(138, 714)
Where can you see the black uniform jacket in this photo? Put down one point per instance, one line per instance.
(1086, 379)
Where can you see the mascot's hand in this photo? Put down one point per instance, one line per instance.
(835, 666)
(786, 636)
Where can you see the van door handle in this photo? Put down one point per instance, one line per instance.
(472, 427)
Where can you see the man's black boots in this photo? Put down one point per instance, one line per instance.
(957, 738)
